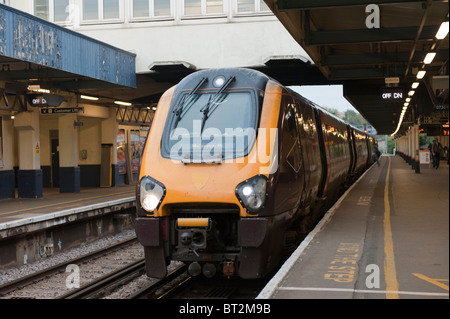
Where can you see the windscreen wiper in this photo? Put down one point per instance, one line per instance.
(178, 111)
(206, 108)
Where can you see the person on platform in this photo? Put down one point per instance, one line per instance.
(436, 150)
(377, 154)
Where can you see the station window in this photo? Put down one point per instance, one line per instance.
(151, 8)
(247, 6)
(53, 10)
(90, 10)
(111, 9)
(94, 10)
(203, 7)
(61, 10)
(41, 9)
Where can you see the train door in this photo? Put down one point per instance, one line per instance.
(304, 119)
(351, 149)
(324, 156)
(295, 153)
(351, 136)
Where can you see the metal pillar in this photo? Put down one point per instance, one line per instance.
(416, 148)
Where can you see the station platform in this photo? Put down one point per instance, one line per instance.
(386, 238)
(56, 208)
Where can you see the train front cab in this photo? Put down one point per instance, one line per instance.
(198, 198)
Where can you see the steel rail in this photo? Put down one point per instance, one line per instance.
(97, 286)
(59, 268)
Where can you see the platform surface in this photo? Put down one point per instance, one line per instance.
(386, 238)
(20, 211)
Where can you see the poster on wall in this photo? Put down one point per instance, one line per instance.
(134, 150)
(1, 141)
(121, 151)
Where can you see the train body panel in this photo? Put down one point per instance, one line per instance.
(232, 165)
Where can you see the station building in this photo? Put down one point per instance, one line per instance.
(80, 79)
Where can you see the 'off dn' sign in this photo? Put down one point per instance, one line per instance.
(373, 19)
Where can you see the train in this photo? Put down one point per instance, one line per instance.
(235, 170)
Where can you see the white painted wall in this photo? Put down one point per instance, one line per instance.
(205, 44)
(229, 39)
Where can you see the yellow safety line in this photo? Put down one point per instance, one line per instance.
(390, 274)
(56, 204)
(433, 281)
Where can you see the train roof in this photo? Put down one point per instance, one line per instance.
(246, 78)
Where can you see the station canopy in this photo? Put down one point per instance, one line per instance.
(376, 49)
(37, 53)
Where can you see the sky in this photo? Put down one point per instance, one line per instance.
(330, 96)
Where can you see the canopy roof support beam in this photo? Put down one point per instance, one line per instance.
(285, 5)
(335, 37)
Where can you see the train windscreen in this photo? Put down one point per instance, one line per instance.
(211, 127)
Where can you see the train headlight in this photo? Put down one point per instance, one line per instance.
(252, 193)
(151, 193)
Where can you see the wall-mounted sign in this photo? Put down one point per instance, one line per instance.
(45, 99)
(394, 94)
(62, 110)
(392, 80)
(37, 100)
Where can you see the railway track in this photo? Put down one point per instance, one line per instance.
(166, 287)
(101, 286)
(40, 277)
(178, 284)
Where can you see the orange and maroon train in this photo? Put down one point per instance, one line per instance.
(236, 167)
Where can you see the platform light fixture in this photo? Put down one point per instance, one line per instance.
(87, 97)
(37, 88)
(411, 93)
(405, 105)
(400, 121)
(408, 99)
(415, 85)
(421, 74)
(429, 57)
(443, 31)
(123, 103)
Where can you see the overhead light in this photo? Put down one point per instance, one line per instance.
(154, 108)
(37, 88)
(87, 97)
(415, 85)
(408, 99)
(443, 31)
(123, 103)
(33, 87)
(421, 74)
(411, 93)
(429, 57)
(405, 105)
